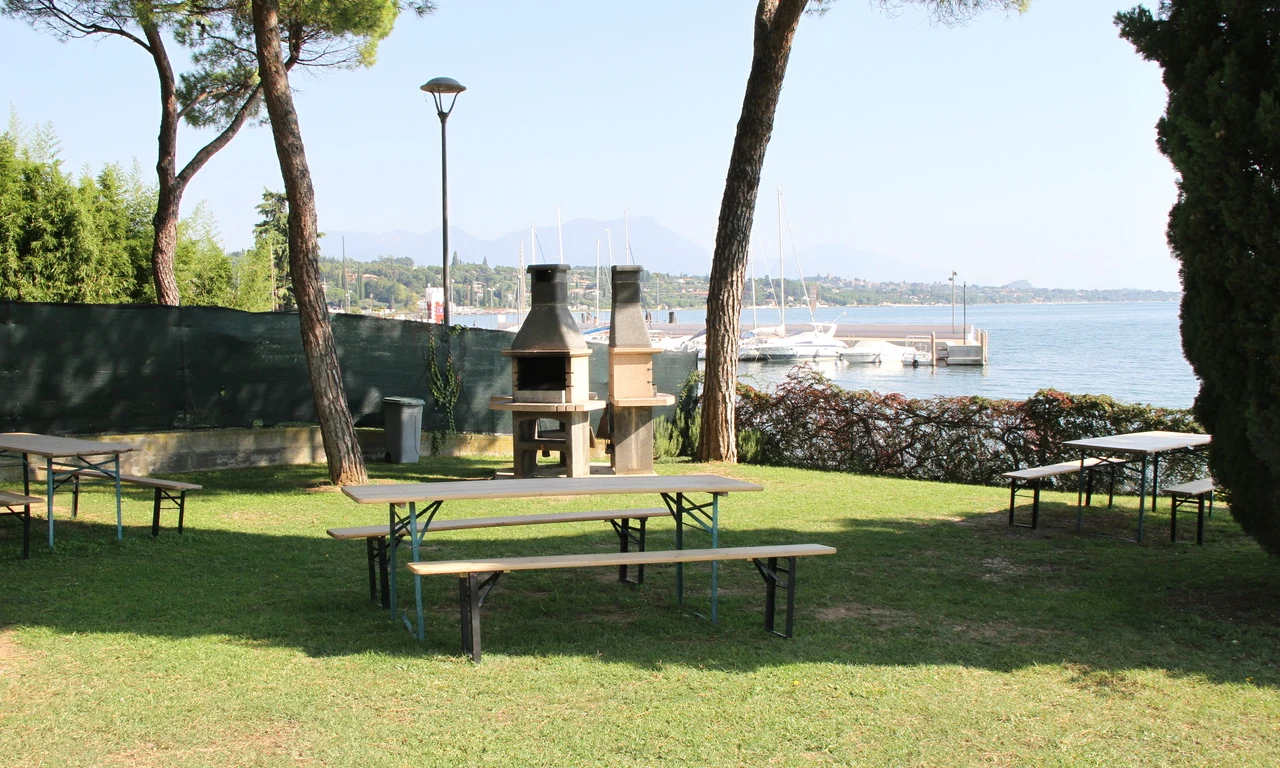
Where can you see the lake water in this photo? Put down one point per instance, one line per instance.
(1129, 351)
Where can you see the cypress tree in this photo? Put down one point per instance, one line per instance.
(1221, 131)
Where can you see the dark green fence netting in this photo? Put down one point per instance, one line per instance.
(85, 369)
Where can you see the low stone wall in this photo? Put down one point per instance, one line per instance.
(197, 450)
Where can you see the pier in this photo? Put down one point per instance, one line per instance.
(954, 345)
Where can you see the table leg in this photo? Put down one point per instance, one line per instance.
(1142, 488)
(1155, 487)
(119, 518)
(1080, 482)
(48, 479)
(415, 536)
(715, 564)
(1079, 485)
(394, 544)
(679, 515)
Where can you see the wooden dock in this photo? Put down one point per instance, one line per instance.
(945, 342)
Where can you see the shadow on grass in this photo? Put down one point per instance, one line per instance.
(965, 591)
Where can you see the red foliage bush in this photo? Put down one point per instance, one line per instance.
(809, 422)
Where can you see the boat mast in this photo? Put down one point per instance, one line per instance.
(520, 288)
(533, 248)
(782, 273)
(626, 229)
(609, 235)
(755, 321)
(560, 234)
(597, 317)
(811, 302)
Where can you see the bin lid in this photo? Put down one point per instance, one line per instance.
(403, 401)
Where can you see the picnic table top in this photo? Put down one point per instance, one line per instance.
(52, 447)
(1143, 442)
(403, 493)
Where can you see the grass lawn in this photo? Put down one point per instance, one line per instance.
(937, 636)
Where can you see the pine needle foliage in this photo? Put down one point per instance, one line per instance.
(1221, 131)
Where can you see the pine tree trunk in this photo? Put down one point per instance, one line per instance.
(776, 22)
(165, 223)
(346, 467)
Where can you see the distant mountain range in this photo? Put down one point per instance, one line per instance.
(652, 245)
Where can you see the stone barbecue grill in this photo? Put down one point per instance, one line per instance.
(549, 381)
(632, 394)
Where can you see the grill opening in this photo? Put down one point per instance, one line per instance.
(542, 374)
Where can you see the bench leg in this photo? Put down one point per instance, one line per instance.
(26, 534)
(1200, 523)
(371, 556)
(1013, 498)
(472, 590)
(1035, 506)
(1173, 519)
(1088, 490)
(624, 543)
(1111, 492)
(155, 515)
(625, 540)
(773, 578)
(383, 572)
(182, 509)
(75, 496)
(640, 568)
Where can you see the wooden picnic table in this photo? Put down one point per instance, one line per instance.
(63, 458)
(1146, 445)
(674, 490)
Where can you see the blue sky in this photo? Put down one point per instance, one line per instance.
(1014, 147)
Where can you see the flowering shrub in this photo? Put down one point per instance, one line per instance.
(809, 422)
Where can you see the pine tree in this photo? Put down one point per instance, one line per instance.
(1221, 131)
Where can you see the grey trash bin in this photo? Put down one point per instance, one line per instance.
(402, 428)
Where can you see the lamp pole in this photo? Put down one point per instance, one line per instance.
(439, 87)
(953, 301)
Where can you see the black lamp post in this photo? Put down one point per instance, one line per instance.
(439, 87)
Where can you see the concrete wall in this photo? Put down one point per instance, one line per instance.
(198, 450)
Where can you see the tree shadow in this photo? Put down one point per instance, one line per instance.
(966, 590)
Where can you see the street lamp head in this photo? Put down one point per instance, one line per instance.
(439, 87)
(443, 85)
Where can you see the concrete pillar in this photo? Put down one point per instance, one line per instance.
(632, 441)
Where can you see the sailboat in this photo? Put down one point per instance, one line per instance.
(819, 343)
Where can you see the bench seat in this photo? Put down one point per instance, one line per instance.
(472, 589)
(1184, 493)
(1194, 488)
(367, 531)
(1035, 476)
(8, 499)
(376, 537)
(151, 482)
(1061, 468)
(18, 505)
(172, 491)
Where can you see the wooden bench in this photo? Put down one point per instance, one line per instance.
(171, 491)
(473, 589)
(1035, 477)
(18, 505)
(376, 536)
(1184, 493)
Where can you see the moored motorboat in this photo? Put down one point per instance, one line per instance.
(881, 352)
(817, 344)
